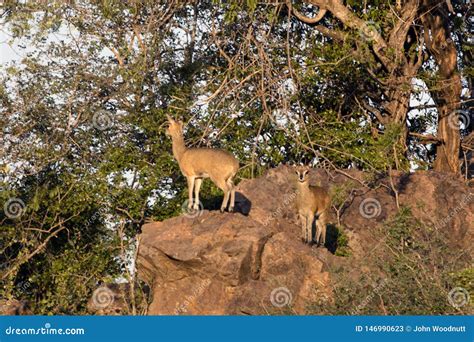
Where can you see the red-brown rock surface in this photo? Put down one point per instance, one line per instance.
(224, 264)
(233, 263)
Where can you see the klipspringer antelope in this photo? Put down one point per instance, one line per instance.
(198, 163)
(311, 201)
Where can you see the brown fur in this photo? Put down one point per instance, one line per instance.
(311, 201)
(198, 163)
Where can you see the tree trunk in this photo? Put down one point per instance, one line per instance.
(447, 92)
(398, 109)
(399, 93)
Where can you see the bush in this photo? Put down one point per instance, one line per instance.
(410, 273)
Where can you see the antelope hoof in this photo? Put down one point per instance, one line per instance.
(196, 206)
(222, 209)
(231, 209)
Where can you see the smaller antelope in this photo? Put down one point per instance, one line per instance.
(311, 201)
(198, 163)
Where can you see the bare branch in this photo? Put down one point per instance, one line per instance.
(303, 18)
(349, 19)
(450, 6)
(426, 139)
(400, 30)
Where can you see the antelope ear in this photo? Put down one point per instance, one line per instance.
(170, 119)
(180, 123)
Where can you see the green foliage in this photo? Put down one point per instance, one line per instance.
(67, 279)
(411, 273)
(340, 193)
(465, 279)
(84, 120)
(342, 244)
(337, 241)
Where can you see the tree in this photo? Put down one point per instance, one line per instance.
(397, 41)
(447, 89)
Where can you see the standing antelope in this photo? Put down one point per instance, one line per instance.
(311, 201)
(198, 163)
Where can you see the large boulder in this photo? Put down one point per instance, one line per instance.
(253, 262)
(226, 264)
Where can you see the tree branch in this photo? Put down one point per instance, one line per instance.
(303, 18)
(427, 139)
(349, 19)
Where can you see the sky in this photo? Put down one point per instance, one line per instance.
(9, 53)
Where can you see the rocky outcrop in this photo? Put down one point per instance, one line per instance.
(253, 262)
(226, 264)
